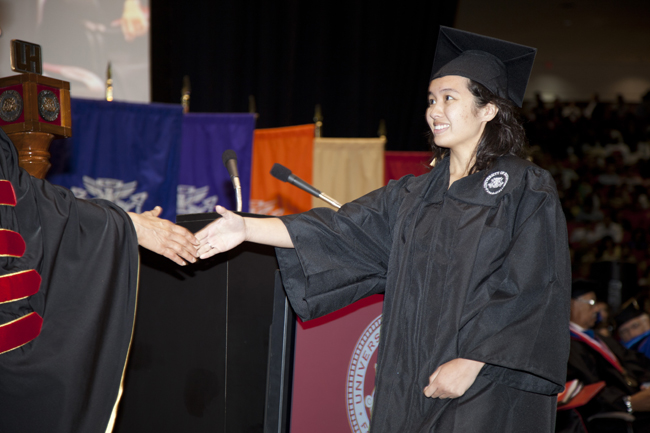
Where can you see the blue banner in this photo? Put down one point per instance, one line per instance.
(203, 180)
(123, 152)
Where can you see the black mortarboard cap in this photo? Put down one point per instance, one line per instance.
(580, 287)
(502, 67)
(629, 311)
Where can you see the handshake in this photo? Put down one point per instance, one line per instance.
(223, 234)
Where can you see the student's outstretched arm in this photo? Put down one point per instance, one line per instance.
(225, 233)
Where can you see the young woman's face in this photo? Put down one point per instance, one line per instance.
(452, 115)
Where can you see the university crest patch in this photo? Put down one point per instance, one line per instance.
(495, 182)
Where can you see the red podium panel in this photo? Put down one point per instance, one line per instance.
(334, 369)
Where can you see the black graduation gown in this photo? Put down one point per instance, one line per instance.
(587, 365)
(478, 271)
(67, 379)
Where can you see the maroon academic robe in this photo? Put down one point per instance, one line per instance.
(68, 327)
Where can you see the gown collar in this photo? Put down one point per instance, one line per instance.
(484, 188)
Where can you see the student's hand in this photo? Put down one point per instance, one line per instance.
(222, 234)
(164, 237)
(452, 379)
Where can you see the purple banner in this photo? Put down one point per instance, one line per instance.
(203, 180)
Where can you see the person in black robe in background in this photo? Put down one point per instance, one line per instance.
(594, 358)
(472, 258)
(68, 285)
(633, 326)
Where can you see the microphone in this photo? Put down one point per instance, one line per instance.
(229, 158)
(284, 174)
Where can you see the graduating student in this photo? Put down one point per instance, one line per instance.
(68, 288)
(472, 258)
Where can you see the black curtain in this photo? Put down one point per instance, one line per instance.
(362, 61)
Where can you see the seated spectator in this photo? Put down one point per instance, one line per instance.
(633, 327)
(594, 358)
(572, 112)
(610, 176)
(639, 243)
(610, 228)
(608, 250)
(586, 234)
(590, 211)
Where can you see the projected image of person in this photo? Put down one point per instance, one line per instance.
(80, 37)
(472, 258)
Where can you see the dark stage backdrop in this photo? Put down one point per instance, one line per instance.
(363, 61)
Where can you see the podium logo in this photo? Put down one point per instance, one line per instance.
(361, 378)
(11, 105)
(26, 57)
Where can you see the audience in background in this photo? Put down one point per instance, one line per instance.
(599, 154)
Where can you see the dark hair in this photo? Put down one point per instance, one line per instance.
(503, 135)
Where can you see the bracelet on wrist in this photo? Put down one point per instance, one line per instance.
(628, 404)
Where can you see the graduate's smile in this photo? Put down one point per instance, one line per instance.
(439, 128)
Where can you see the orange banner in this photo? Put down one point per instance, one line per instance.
(292, 147)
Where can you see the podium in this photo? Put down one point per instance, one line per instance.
(212, 346)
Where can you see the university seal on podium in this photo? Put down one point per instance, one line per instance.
(361, 378)
(11, 105)
(48, 105)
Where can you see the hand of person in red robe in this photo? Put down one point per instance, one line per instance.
(452, 379)
(164, 237)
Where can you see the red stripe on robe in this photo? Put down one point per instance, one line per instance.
(19, 332)
(7, 193)
(11, 244)
(19, 285)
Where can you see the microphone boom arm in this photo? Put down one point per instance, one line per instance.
(282, 173)
(329, 200)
